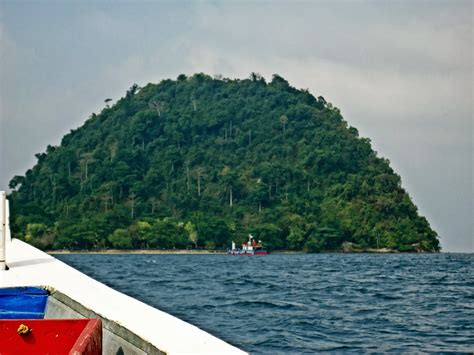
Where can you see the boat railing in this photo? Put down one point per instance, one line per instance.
(5, 229)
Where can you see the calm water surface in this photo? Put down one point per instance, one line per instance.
(306, 303)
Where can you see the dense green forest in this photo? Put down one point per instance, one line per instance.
(199, 161)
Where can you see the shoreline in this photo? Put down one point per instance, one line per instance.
(136, 251)
(209, 252)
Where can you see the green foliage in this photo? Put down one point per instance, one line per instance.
(313, 245)
(199, 162)
(121, 239)
(39, 235)
(271, 234)
(192, 233)
(167, 234)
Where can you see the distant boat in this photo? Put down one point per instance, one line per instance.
(249, 248)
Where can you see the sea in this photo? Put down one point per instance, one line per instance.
(306, 303)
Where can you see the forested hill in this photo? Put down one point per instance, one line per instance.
(198, 162)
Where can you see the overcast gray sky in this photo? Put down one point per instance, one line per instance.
(400, 71)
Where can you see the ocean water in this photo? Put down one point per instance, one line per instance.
(306, 303)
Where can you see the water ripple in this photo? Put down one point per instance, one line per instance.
(280, 304)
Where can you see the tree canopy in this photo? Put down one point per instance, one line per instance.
(201, 161)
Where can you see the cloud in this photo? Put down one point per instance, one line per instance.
(380, 35)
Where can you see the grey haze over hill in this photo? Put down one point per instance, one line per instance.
(401, 72)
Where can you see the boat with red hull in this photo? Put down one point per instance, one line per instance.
(249, 248)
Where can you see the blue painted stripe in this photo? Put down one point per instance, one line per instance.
(22, 303)
(21, 315)
(22, 291)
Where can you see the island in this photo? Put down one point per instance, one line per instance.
(201, 161)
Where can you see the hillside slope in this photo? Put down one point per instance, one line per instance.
(198, 162)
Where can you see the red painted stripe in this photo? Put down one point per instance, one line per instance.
(89, 341)
(50, 336)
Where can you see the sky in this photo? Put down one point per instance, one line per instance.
(401, 72)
